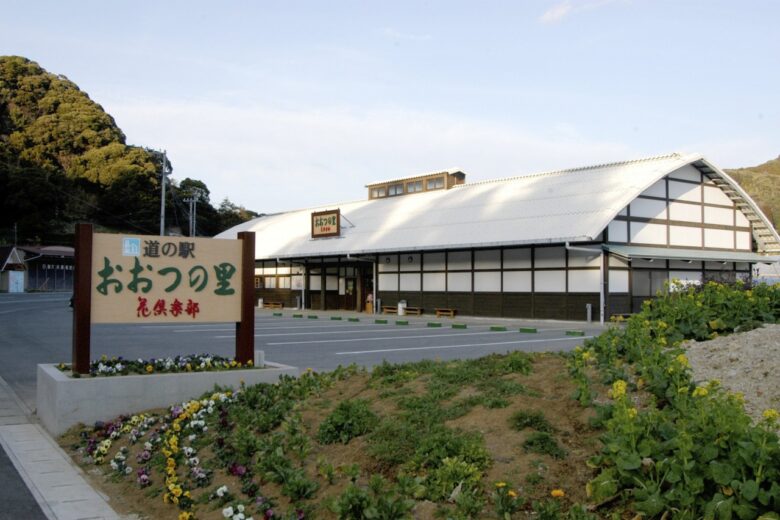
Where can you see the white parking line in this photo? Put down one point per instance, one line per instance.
(317, 333)
(354, 352)
(388, 337)
(312, 326)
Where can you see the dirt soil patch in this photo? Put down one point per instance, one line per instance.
(747, 362)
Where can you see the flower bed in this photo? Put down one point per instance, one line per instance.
(116, 366)
(672, 446)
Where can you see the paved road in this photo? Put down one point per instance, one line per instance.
(36, 328)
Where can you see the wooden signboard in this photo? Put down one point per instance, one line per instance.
(326, 223)
(149, 278)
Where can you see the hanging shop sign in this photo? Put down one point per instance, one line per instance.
(326, 223)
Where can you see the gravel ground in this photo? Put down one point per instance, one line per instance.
(748, 362)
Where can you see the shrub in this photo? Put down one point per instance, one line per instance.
(533, 419)
(350, 419)
(543, 442)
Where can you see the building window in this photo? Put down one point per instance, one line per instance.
(270, 282)
(283, 282)
(378, 192)
(395, 189)
(435, 184)
(414, 187)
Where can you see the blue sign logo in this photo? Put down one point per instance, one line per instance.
(131, 247)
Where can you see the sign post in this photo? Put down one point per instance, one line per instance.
(245, 329)
(82, 297)
(153, 279)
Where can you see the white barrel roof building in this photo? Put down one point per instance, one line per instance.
(545, 245)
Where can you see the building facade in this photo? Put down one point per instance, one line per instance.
(553, 245)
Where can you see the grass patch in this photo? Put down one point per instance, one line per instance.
(544, 443)
(530, 419)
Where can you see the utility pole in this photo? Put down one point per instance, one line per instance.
(193, 201)
(162, 199)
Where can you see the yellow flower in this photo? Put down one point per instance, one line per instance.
(177, 492)
(512, 493)
(700, 391)
(632, 413)
(728, 491)
(170, 463)
(618, 389)
(185, 515)
(188, 367)
(233, 363)
(557, 493)
(250, 363)
(683, 360)
(500, 485)
(771, 414)
(149, 369)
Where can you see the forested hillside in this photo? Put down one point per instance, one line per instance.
(762, 182)
(64, 160)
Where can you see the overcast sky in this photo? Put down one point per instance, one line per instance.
(282, 105)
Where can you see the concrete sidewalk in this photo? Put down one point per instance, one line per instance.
(39, 479)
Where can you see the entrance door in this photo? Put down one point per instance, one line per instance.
(350, 293)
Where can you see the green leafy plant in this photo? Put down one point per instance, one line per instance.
(350, 419)
(543, 442)
(534, 420)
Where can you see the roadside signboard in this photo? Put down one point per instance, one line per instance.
(149, 278)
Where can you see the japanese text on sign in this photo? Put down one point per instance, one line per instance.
(325, 224)
(165, 279)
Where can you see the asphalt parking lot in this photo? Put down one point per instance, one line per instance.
(37, 329)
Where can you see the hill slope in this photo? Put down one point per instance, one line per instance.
(762, 182)
(63, 159)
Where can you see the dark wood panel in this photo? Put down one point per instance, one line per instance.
(550, 306)
(387, 298)
(575, 306)
(462, 301)
(518, 305)
(432, 300)
(413, 299)
(619, 304)
(487, 304)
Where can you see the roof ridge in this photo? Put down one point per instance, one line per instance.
(573, 170)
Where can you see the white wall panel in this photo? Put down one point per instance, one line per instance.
(410, 262)
(742, 220)
(656, 190)
(550, 281)
(647, 208)
(487, 281)
(282, 270)
(434, 282)
(618, 231)
(584, 259)
(517, 281)
(744, 240)
(718, 238)
(342, 286)
(616, 261)
(296, 283)
(459, 282)
(644, 233)
(410, 282)
(684, 191)
(331, 283)
(517, 258)
(721, 216)
(388, 263)
(434, 262)
(315, 282)
(388, 282)
(618, 281)
(684, 236)
(459, 260)
(584, 281)
(714, 195)
(684, 212)
(490, 259)
(549, 257)
(688, 173)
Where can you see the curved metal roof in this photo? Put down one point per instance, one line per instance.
(552, 207)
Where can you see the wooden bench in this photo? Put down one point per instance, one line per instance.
(389, 309)
(417, 311)
(273, 305)
(445, 312)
